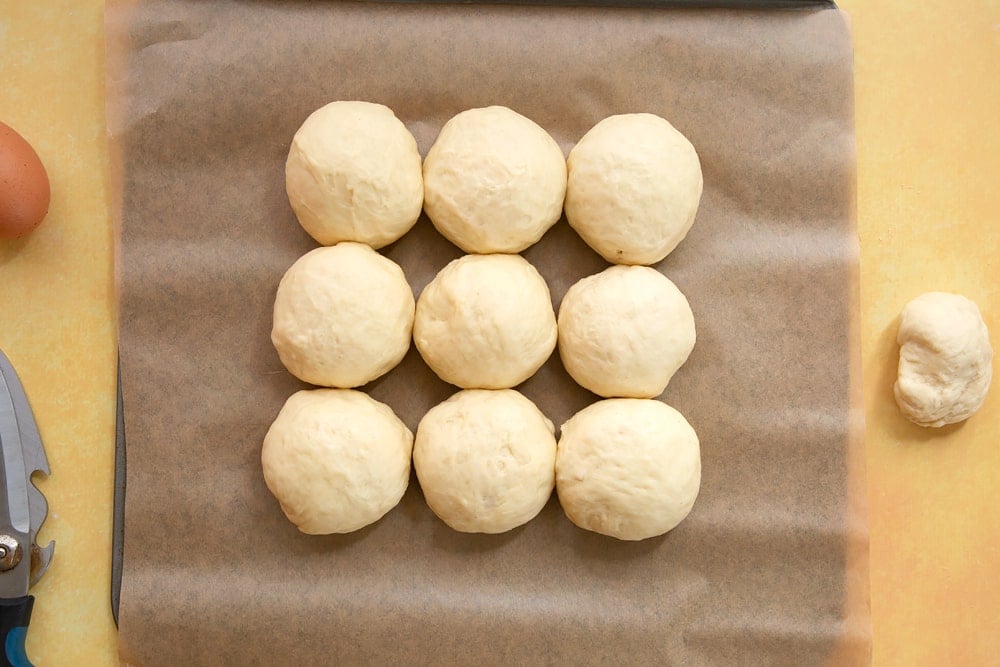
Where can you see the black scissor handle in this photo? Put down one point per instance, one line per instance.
(15, 614)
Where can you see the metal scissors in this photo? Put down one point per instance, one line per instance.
(22, 510)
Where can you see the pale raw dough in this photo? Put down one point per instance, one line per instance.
(336, 460)
(353, 173)
(494, 181)
(944, 359)
(634, 187)
(628, 467)
(625, 331)
(342, 316)
(485, 322)
(485, 460)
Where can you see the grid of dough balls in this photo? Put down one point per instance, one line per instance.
(487, 458)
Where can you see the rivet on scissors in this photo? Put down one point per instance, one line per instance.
(10, 552)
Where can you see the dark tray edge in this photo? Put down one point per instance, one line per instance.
(118, 532)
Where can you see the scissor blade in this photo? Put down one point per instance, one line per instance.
(34, 460)
(31, 441)
(13, 479)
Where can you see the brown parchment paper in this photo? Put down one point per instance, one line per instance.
(769, 568)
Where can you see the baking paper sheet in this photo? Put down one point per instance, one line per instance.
(771, 565)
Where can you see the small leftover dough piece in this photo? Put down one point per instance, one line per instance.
(494, 181)
(628, 467)
(625, 332)
(634, 187)
(353, 173)
(485, 322)
(485, 460)
(342, 316)
(944, 359)
(336, 460)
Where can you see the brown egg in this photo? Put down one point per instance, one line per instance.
(24, 186)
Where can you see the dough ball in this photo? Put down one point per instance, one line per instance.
(494, 181)
(342, 316)
(336, 460)
(634, 187)
(628, 467)
(485, 322)
(944, 359)
(625, 332)
(485, 460)
(353, 174)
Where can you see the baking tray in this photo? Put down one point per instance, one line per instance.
(121, 445)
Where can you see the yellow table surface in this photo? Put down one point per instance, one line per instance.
(928, 103)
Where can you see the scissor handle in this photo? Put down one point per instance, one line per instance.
(15, 614)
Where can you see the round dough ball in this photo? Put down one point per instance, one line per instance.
(485, 322)
(944, 359)
(485, 460)
(628, 467)
(494, 181)
(342, 316)
(353, 174)
(634, 187)
(625, 332)
(336, 460)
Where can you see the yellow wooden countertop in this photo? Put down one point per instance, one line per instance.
(928, 98)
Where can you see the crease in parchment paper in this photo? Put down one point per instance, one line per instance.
(769, 568)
